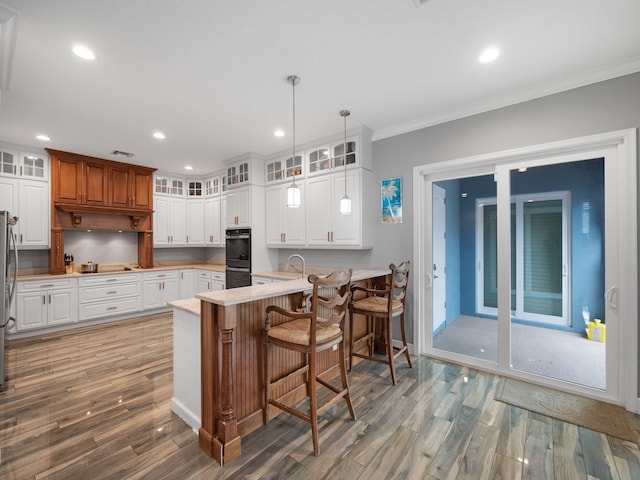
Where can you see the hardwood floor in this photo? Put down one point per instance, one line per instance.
(94, 403)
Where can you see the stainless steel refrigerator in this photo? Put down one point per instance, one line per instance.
(9, 263)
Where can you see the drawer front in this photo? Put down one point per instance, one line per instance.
(108, 292)
(220, 276)
(160, 275)
(106, 309)
(40, 285)
(205, 274)
(109, 279)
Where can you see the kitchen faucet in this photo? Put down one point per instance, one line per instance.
(304, 269)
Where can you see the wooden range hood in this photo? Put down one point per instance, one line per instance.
(89, 193)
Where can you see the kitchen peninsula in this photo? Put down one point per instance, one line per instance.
(231, 376)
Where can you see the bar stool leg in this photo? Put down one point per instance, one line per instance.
(404, 340)
(345, 384)
(389, 345)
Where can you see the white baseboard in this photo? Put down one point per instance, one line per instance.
(398, 344)
(185, 414)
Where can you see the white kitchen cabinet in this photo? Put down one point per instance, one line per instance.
(26, 165)
(285, 226)
(109, 295)
(212, 222)
(167, 185)
(33, 210)
(46, 303)
(285, 168)
(238, 207)
(187, 283)
(327, 226)
(169, 221)
(330, 157)
(29, 201)
(210, 281)
(212, 186)
(238, 174)
(195, 222)
(195, 188)
(159, 288)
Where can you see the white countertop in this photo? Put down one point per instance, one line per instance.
(239, 295)
(112, 269)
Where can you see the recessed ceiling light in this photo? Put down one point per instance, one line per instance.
(159, 135)
(84, 52)
(522, 169)
(44, 138)
(279, 133)
(188, 167)
(489, 54)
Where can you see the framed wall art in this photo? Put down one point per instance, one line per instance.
(391, 200)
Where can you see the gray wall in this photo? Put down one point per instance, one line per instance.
(601, 107)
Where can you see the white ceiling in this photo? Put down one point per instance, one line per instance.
(211, 74)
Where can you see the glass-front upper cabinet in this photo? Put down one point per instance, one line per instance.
(195, 188)
(338, 153)
(8, 163)
(275, 172)
(29, 165)
(177, 187)
(284, 168)
(33, 166)
(293, 166)
(320, 159)
(168, 186)
(238, 174)
(161, 185)
(328, 157)
(212, 186)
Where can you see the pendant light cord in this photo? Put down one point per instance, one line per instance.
(293, 159)
(345, 155)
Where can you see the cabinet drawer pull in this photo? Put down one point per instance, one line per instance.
(112, 280)
(112, 308)
(44, 299)
(49, 285)
(112, 292)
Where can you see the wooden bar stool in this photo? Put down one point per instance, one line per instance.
(385, 301)
(309, 332)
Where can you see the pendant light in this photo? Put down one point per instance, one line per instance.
(293, 191)
(345, 202)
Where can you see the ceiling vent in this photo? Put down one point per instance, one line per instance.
(124, 154)
(419, 3)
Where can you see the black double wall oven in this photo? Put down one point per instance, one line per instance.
(238, 257)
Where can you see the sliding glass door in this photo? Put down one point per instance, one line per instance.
(522, 266)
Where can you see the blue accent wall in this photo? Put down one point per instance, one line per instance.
(585, 181)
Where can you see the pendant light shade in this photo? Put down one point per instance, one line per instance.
(345, 202)
(294, 195)
(345, 205)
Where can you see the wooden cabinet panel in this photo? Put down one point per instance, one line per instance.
(95, 183)
(68, 184)
(141, 189)
(119, 193)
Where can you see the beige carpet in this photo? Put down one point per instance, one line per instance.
(592, 414)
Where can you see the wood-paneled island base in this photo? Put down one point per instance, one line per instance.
(231, 326)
